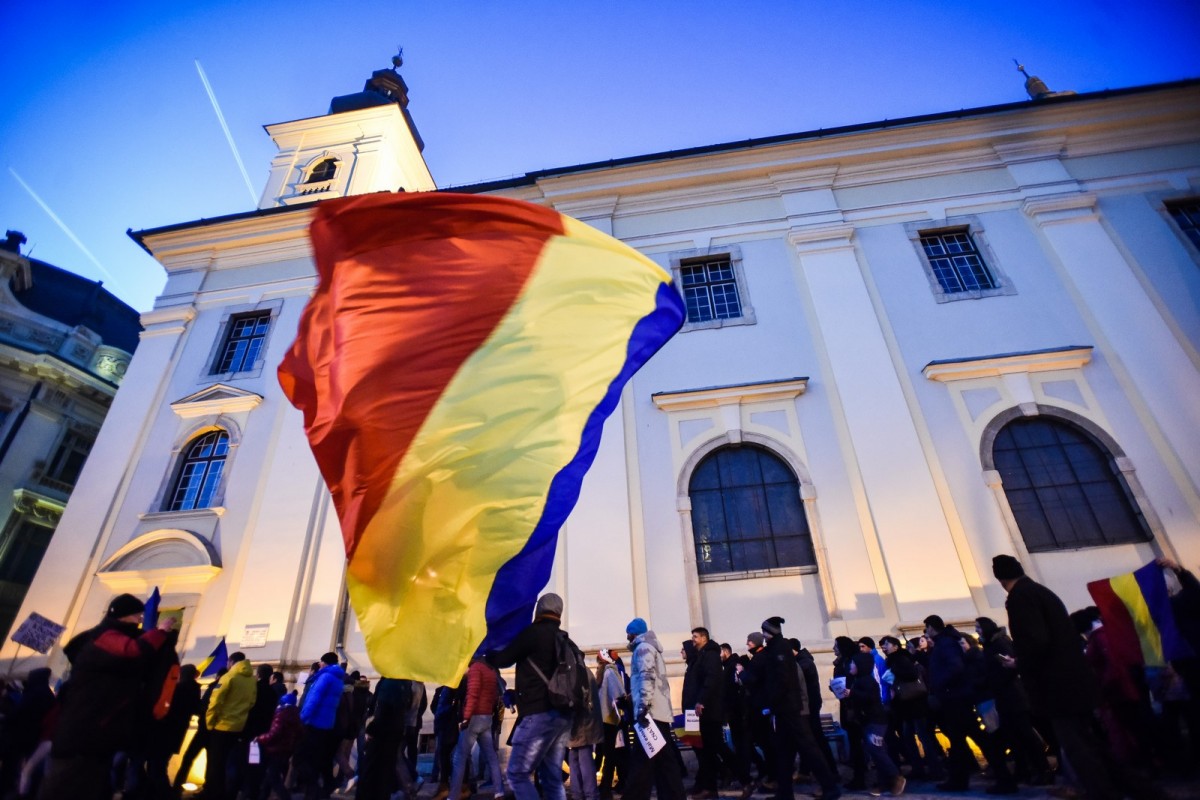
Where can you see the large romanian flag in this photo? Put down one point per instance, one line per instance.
(455, 367)
(1136, 610)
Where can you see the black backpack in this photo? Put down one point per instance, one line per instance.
(567, 685)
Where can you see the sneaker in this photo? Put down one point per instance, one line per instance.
(898, 786)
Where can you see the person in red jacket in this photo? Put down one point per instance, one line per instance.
(276, 746)
(483, 692)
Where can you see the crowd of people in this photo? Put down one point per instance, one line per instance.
(1046, 700)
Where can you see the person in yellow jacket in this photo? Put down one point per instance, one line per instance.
(227, 712)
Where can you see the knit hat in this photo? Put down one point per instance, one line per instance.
(755, 639)
(549, 604)
(773, 626)
(125, 604)
(636, 627)
(605, 655)
(1007, 568)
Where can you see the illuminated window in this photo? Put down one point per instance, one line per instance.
(1064, 487)
(747, 513)
(243, 344)
(199, 472)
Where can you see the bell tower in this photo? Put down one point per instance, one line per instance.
(367, 143)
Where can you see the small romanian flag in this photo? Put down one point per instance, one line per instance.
(455, 367)
(216, 661)
(1136, 611)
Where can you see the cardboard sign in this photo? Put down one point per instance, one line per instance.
(38, 633)
(691, 721)
(651, 738)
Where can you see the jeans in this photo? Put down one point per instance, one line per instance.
(538, 743)
(873, 742)
(479, 728)
(583, 773)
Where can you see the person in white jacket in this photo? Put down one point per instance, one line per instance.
(651, 698)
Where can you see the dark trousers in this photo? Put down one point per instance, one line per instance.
(275, 769)
(221, 746)
(762, 736)
(1100, 775)
(714, 754)
(377, 768)
(743, 750)
(958, 721)
(612, 758)
(314, 762)
(412, 744)
(814, 724)
(661, 772)
(793, 735)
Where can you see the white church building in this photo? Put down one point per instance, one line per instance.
(911, 345)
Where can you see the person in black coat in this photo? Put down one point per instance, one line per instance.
(704, 691)
(812, 685)
(1056, 676)
(951, 699)
(381, 766)
(167, 734)
(758, 708)
(866, 701)
(909, 711)
(1016, 726)
(844, 650)
(789, 707)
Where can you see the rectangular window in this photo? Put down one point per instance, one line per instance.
(243, 342)
(956, 262)
(1186, 214)
(68, 459)
(710, 290)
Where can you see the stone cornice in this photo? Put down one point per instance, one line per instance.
(738, 394)
(1056, 209)
(1071, 357)
(821, 238)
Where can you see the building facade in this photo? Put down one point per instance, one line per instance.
(911, 346)
(65, 343)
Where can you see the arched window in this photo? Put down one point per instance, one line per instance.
(747, 514)
(1063, 486)
(323, 171)
(199, 472)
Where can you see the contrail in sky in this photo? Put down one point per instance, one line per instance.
(62, 225)
(228, 136)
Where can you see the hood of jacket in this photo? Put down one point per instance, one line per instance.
(649, 638)
(242, 668)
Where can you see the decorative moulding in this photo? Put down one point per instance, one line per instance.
(708, 397)
(1071, 357)
(168, 557)
(219, 398)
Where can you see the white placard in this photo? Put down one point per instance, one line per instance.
(651, 738)
(691, 721)
(255, 753)
(255, 636)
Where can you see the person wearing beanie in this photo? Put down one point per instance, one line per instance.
(1058, 680)
(101, 705)
(762, 733)
(539, 741)
(650, 695)
(788, 698)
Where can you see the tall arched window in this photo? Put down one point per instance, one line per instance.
(1064, 487)
(199, 472)
(747, 514)
(323, 171)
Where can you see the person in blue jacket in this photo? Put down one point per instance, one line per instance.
(314, 759)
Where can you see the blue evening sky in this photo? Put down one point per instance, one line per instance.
(107, 121)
